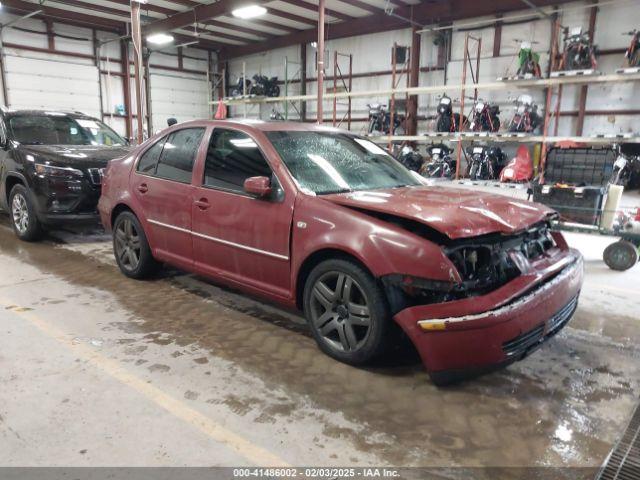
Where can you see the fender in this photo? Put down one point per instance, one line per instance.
(3, 187)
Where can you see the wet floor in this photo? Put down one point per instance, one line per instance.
(253, 368)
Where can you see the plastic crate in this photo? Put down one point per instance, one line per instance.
(582, 166)
(574, 204)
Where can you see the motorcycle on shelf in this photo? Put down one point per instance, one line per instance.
(446, 120)
(579, 53)
(265, 86)
(528, 60)
(276, 115)
(526, 117)
(380, 120)
(633, 52)
(485, 162)
(242, 85)
(626, 165)
(410, 158)
(484, 117)
(439, 163)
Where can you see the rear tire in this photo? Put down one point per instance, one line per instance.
(347, 312)
(131, 248)
(22, 214)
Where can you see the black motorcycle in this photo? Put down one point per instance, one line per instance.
(446, 120)
(526, 117)
(410, 158)
(633, 52)
(265, 86)
(485, 162)
(484, 117)
(242, 87)
(380, 120)
(579, 53)
(276, 115)
(627, 165)
(439, 163)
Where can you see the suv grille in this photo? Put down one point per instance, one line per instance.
(523, 342)
(95, 175)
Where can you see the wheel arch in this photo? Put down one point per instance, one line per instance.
(11, 181)
(314, 259)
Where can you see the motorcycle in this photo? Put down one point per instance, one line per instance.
(633, 52)
(242, 87)
(520, 168)
(484, 117)
(486, 162)
(265, 86)
(579, 53)
(446, 120)
(410, 158)
(625, 165)
(276, 115)
(440, 164)
(380, 120)
(528, 60)
(526, 117)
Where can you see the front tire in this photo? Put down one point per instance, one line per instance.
(131, 248)
(347, 312)
(23, 216)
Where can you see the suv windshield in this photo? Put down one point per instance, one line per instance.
(62, 130)
(332, 163)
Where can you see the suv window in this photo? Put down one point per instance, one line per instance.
(178, 154)
(149, 159)
(232, 157)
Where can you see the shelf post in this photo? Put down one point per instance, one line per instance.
(321, 12)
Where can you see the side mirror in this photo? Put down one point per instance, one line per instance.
(258, 186)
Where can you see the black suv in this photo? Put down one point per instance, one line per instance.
(51, 166)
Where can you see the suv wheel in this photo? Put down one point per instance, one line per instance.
(347, 312)
(23, 215)
(131, 248)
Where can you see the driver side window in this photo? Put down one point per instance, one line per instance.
(232, 157)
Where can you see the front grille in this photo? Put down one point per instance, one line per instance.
(623, 462)
(95, 175)
(523, 342)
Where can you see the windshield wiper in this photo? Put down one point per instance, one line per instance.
(338, 190)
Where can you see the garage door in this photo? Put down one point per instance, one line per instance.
(52, 85)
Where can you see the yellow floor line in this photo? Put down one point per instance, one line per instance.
(254, 453)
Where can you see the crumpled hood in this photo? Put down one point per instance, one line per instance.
(456, 213)
(87, 156)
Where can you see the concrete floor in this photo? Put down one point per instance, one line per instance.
(97, 369)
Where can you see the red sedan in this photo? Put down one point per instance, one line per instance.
(327, 222)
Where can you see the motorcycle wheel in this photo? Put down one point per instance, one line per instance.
(443, 124)
(618, 177)
(473, 172)
(274, 91)
(634, 61)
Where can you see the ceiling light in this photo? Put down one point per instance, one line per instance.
(250, 11)
(160, 38)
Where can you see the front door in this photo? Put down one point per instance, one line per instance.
(237, 235)
(162, 186)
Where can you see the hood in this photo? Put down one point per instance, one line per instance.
(75, 155)
(456, 213)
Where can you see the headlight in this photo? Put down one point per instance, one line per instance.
(51, 171)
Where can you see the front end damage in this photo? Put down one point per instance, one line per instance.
(515, 292)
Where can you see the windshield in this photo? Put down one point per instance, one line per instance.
(62, 130)
(331, 163)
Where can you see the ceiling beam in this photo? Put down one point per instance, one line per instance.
(424, 13)
(291, 16)
(70, 17)
(198, 14)
(314, 8)
(364, 6)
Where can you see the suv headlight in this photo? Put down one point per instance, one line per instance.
(51, 171)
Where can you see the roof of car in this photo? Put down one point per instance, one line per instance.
(279, 126)
(52, 112)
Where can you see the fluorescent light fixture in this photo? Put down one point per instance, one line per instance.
(250, 11)
(160, 38)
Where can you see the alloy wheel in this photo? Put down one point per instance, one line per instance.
(340, 311)
(127, 244)
(20, 213)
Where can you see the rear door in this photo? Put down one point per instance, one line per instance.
(237, 235)
(162, 185)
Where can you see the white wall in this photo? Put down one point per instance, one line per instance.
(373, 53)
(41, 80)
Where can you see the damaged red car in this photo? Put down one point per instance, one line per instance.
(327, 222)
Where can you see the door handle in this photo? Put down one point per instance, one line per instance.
(202, 204)
(142, 188)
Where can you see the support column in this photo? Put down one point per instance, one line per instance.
(414, 80)
(303, 81)
(136, 36)
(126, 86)
(319, 112)
(584, 90)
